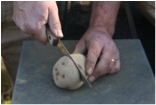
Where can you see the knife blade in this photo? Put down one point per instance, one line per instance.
(54, 41)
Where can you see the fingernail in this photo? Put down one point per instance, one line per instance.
(91, 79)
(59, 33)
(89, 71)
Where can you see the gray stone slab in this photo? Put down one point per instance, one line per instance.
(35, 85)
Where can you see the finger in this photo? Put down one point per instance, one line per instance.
(115, 62)
(115, 66)
(102, 67)
(40, 35)
(54, 21)
(92, 57)
(80, 47)
(112, 65)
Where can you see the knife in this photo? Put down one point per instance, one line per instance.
(54, 41)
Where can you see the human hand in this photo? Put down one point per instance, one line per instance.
(32, 16)
(102, 53)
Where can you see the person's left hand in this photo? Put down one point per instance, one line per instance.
(102, 53)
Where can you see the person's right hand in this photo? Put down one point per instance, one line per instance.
(32, 16)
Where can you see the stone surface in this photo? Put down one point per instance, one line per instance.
(34, 83)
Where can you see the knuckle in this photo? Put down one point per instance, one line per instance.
(42, 17)
(91, 60)
(34, 28)
(111, 43)
(44, 42)
(111, 47)
(41, 40)
(112, 72)
(30, 29)
(102, 70)
(115, 70)
(95, 46)
(56, 22)
(97, 73)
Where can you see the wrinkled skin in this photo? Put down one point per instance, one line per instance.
(100, 50)
(32, 16)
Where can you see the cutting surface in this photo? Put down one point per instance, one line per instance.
(34, 83)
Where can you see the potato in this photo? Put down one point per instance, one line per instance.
(65, 73)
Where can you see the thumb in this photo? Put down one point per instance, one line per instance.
(54, 22)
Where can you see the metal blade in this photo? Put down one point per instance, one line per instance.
(54, 41)
(66, 52)
(82, 76)
(62, 48)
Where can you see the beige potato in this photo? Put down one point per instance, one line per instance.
(65, 73)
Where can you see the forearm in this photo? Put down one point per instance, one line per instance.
(104, 15)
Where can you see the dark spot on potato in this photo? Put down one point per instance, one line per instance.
(98, 36)
(49, 37)
(63, 76)
(57, 73)
(63, 63)
(55, 69)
